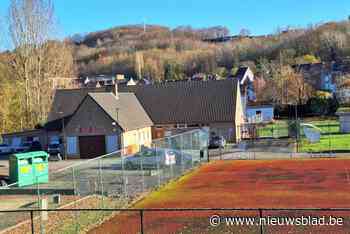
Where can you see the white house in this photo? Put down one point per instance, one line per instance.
(259, 113)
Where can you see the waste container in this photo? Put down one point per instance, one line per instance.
(40, 166)
(29, 168)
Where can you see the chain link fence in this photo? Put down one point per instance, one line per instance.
(324, 137)
(199, 220)
(284, 139)
(110, 181)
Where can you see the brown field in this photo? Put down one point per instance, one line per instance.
(309, 183)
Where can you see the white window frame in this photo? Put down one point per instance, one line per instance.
(181, 125)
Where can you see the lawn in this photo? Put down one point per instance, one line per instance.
(332, 140)
(244, 184)
(277, 129)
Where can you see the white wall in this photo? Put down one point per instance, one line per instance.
(266, 114)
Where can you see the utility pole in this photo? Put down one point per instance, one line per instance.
(63, 135)
(297, 126)
(117, 114)
(144, 26)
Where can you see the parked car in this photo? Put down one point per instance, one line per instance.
(5, 149)
(54, 149)
(24, 147)
(35, 146)
(216, 142)
(28, 147)
(152, 159)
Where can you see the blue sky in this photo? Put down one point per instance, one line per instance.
(259, 16)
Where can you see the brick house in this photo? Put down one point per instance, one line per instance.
(97, 121)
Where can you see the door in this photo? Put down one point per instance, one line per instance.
(112, 143)
(92, 146)
(72, 145)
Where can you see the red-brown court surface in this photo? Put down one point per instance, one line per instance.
(308, 183)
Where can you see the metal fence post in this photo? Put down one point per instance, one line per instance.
(169, 146)
(124, 178)
(181, 152)
(32, 221)
(329, 139)
(142, 172)
(101, 180)
(39, 202)
(261, 226)
(158, 166)
(141, 222)
(74, 182)
(191, 149)
(75, 193)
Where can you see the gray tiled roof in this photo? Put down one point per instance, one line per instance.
(67, 101)
(188, 102)
(126, 110)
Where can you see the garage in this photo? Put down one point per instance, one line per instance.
(92, 146)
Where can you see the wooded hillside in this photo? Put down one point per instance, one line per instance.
(153, 51)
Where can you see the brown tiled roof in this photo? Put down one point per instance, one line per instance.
(126, 110)
(190, 102)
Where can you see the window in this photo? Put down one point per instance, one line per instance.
(6, 141)
(30, 138)
(54, 139)
(181, 125)
(140, 138)
(258, 116)
(16, 141)
(144, 136)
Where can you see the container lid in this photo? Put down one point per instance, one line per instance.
(30, 154)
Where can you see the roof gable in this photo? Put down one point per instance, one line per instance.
(66, 101)
(243, 74)
(126, 110)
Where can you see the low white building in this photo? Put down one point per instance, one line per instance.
(259, 113)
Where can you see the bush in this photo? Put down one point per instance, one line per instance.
(323, 103)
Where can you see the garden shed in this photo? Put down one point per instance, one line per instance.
(344, 119)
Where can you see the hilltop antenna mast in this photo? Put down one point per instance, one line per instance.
(144, 25)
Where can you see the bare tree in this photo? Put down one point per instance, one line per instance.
(287, 87)
(31, 26)
(139, 64)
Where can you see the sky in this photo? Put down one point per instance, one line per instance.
(259, 16)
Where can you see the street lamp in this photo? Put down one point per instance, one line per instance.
(64, 135)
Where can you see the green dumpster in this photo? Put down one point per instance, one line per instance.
(29, 168)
